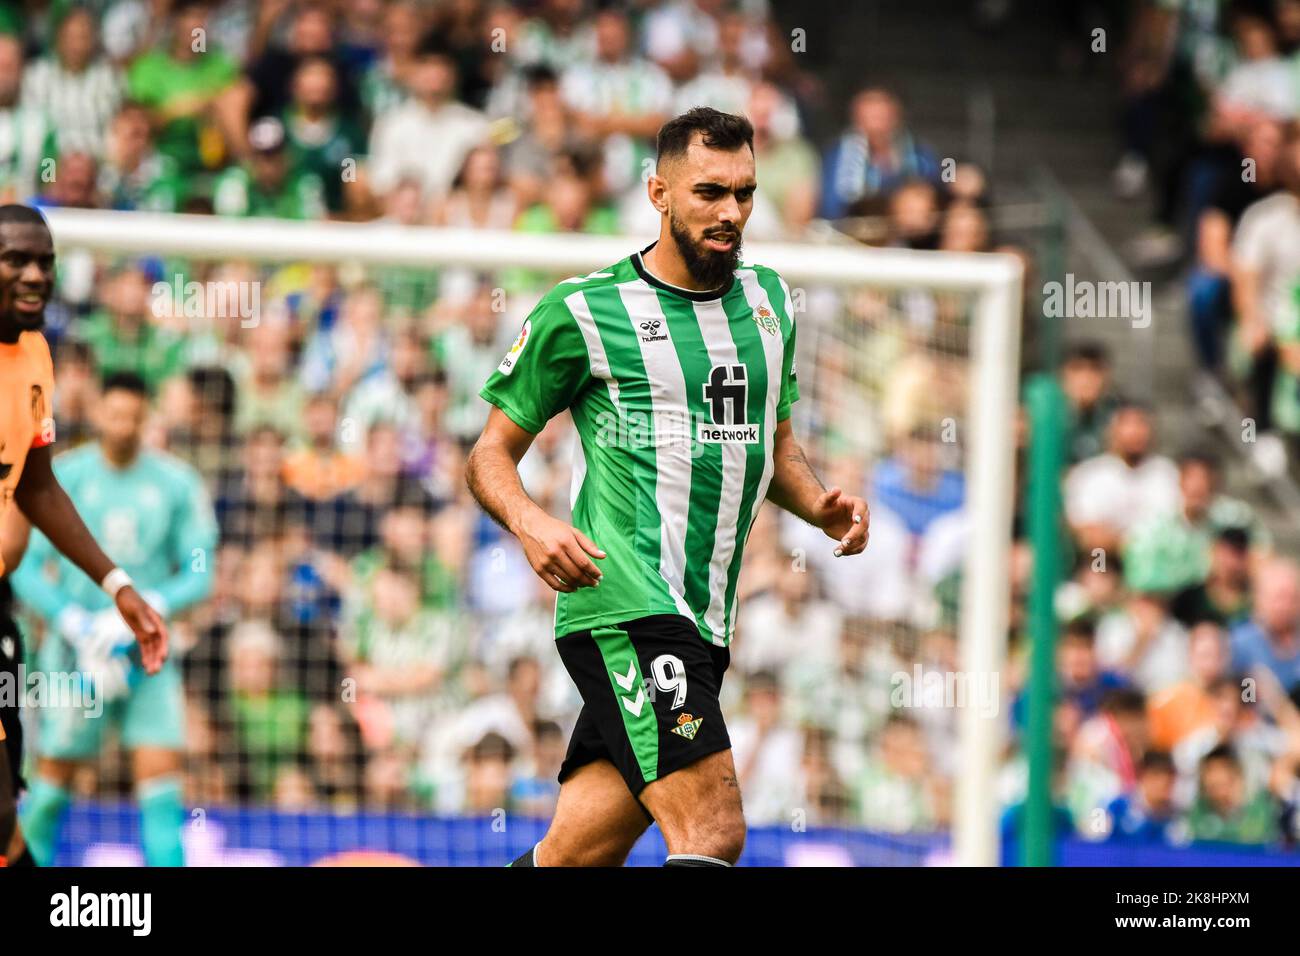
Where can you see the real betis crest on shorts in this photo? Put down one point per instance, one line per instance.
(687, 726)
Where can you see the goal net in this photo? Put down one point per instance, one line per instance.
(371, 671)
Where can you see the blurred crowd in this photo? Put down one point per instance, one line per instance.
(1178, 664)
(538, 116)
(1211, 125)
(373, 640)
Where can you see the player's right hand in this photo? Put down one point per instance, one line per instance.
(147, 626)
(559, 553)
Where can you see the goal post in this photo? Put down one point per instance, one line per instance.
(992, 281)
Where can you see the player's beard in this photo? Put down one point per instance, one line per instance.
(710, 269)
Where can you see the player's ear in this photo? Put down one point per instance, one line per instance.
(657, 189)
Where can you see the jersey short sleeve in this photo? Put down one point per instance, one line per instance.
(545, 369)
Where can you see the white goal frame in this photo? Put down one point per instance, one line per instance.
(994, 280)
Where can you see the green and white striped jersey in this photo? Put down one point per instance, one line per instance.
(27, 138)
(675, 396)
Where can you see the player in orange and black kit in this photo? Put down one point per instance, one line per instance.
(27, 481)
(13, 541)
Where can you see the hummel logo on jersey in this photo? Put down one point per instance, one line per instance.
(687, 726)
(650, 331)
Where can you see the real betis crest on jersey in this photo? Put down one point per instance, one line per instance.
(767, 321)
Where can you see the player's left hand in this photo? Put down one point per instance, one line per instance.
(147, 626)
(845, 518)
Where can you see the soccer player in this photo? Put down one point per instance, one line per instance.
(27, 479)
(153, 514)
(13, 849)
(677, 365)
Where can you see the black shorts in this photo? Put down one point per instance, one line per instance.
(11, 656)
(650, 697)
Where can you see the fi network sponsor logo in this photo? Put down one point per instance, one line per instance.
(132, 910)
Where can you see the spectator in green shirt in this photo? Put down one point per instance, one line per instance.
(73, 83)
(267, 391)
(269, 721)
(1171, 552)
(400, 654)
(1086, 381)
(1224, 596)
(791, 167)
(407, 290)
(568, 205)
(134, 175)
(896, 790)
(269, 185)
(1224, 812)
(180, 84)
(123, 336)
(28, 144)
(383, 84)
(322, 139)
(405, 542)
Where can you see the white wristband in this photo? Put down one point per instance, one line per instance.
(114, 581)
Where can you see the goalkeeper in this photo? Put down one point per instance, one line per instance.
(153, 517)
